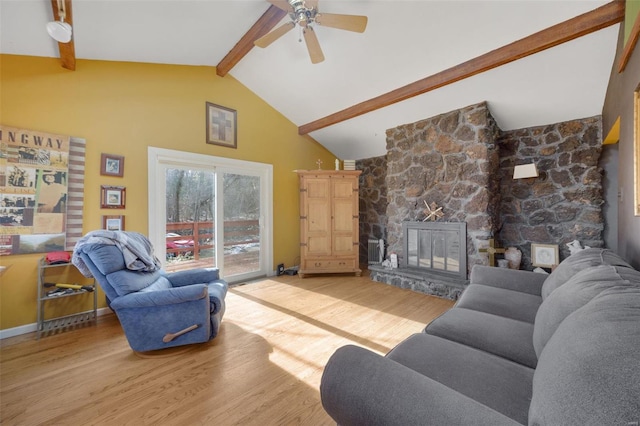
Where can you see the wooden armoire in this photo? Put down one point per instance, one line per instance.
(328, 221)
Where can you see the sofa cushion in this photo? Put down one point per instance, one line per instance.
(505, 337)
(588, 371)
(107, 258)
(575, 293)
(502, 302)
(498, 383)
(510, 279)
(577, 262)
(126, 281)
(192, 276)
(360, 387)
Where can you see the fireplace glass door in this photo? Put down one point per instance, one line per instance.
(435, 246)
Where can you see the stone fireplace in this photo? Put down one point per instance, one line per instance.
(463, 162)
(447, 160)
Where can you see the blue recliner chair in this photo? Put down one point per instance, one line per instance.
(156, 310)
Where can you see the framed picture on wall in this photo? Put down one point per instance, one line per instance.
(221, 126)
(112, 197)
(111, 165)
(545, 255)
(113, 223)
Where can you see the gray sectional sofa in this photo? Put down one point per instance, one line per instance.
(517, 348)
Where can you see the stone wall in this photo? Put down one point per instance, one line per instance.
(452, 160)
(373, 202)
(464, 163)
(565, 202)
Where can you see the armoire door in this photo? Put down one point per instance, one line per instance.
(316, 217)
(344, 215)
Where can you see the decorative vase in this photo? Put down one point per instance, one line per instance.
(514, 256)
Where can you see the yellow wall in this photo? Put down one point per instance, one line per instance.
(122, 108)
(630, 15)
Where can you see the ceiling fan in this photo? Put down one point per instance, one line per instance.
(304, 13)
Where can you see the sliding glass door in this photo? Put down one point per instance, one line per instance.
(241, 210)
(209, 211)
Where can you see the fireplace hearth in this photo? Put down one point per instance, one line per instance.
(438, 248)
(420, 281)
(435, 260)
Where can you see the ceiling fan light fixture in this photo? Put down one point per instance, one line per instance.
(304, 14)
(60, 31)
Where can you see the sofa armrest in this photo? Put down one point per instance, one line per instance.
(360, 387)
(193, 276)
(510, 279)
(217, 293)
(170, 296)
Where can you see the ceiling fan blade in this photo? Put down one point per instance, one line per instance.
(281, 4)
(313, 46)
(354, 23)
(311, 4)
(269, 38)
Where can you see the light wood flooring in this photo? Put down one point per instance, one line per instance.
(264, 367)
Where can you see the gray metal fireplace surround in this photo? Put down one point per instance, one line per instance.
(434, 259)
(436, 247)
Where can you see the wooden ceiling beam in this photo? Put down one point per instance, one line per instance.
(67, 50)
(266, 23)
(597, 19)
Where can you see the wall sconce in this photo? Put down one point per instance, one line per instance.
(60, 31)
(524, 171)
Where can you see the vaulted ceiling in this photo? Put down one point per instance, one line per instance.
(415, 60)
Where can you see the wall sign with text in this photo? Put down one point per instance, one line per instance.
(34, 178)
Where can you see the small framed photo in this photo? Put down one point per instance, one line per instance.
(113, 223)
(545, 255)
(221, 126)
(111, 165)
(112, 197)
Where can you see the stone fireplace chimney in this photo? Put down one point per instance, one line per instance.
(451, 160)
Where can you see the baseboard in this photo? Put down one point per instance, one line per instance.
(17, 331)
(31, 328)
